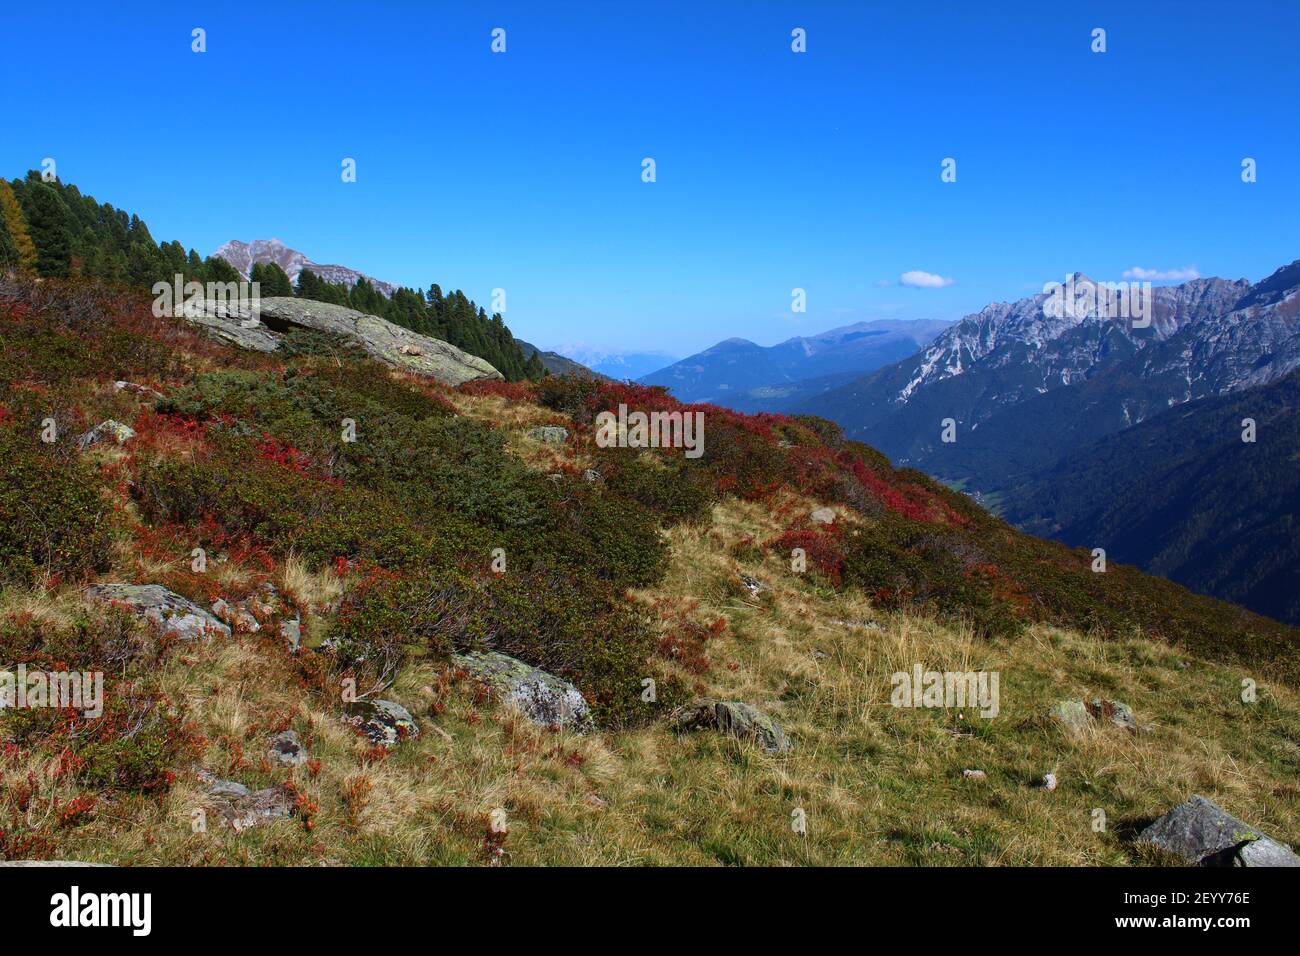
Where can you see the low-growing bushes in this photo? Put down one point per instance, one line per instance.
(53, 516)
(671, 488)
(902, 563)
(288, 512)
(572, 628)
(600, 643)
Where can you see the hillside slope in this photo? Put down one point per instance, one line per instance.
(1182, 495)
(362, 531)
(555, 363)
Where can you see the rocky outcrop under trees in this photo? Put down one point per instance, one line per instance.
(383, 340)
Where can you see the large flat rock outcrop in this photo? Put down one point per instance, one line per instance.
(401, 348)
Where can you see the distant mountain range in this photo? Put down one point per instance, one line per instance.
(1026, 388)
(1086, 428)
(621, 366)
(243, 255)
(740, 374)
(556, 363)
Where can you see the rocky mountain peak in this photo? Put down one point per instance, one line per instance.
(244, 255)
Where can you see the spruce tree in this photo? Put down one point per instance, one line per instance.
(271, 279)
(219, 270)
(50, 226)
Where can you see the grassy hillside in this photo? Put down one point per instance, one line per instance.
(621, 565)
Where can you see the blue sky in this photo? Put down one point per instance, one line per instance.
(775, 170)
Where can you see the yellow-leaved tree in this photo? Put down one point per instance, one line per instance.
(16, 226)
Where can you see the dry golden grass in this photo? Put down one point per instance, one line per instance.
(515, 419)
(878, 785)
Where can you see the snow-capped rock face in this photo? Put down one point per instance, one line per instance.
(1255, 341)
(243, 255)
(1067, 345)
(1028, 384)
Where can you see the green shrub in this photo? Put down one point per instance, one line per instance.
(140, 744)
(53, 516)
(571, 394)
(674, 488)
(900, 564)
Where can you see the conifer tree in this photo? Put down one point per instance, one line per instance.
(272, 280)
(50, 226)
(219, 270)
(16, 228)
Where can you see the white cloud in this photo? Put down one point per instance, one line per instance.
(1156, 275)
(923, 280)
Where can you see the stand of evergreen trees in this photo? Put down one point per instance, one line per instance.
(51, 229)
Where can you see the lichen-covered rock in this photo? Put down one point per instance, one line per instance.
(105, 430)
(234, 323)
(735, 718)
(287, 750)
(379, 338)
(240, 808)
(385, 722)
(49, 863)
(549, 434)
(236, 615)
(1072, 715)
(1077, 716)
(164, 609)
(543, 698)
(823, 516)
(135, 389)
(1201, 833)
(753, 585)
(291, 631)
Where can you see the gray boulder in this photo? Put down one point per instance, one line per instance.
(105, 430)
(383, 340)
(291, 631)
(549, 434)
(240, 808)
(823, 516)
(1077, 716)
(543, 698)
(49, 863)
(734, 718)
(234, 323)
(166, 610)
(287, 750)
(1201, 833)
(385, 722)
